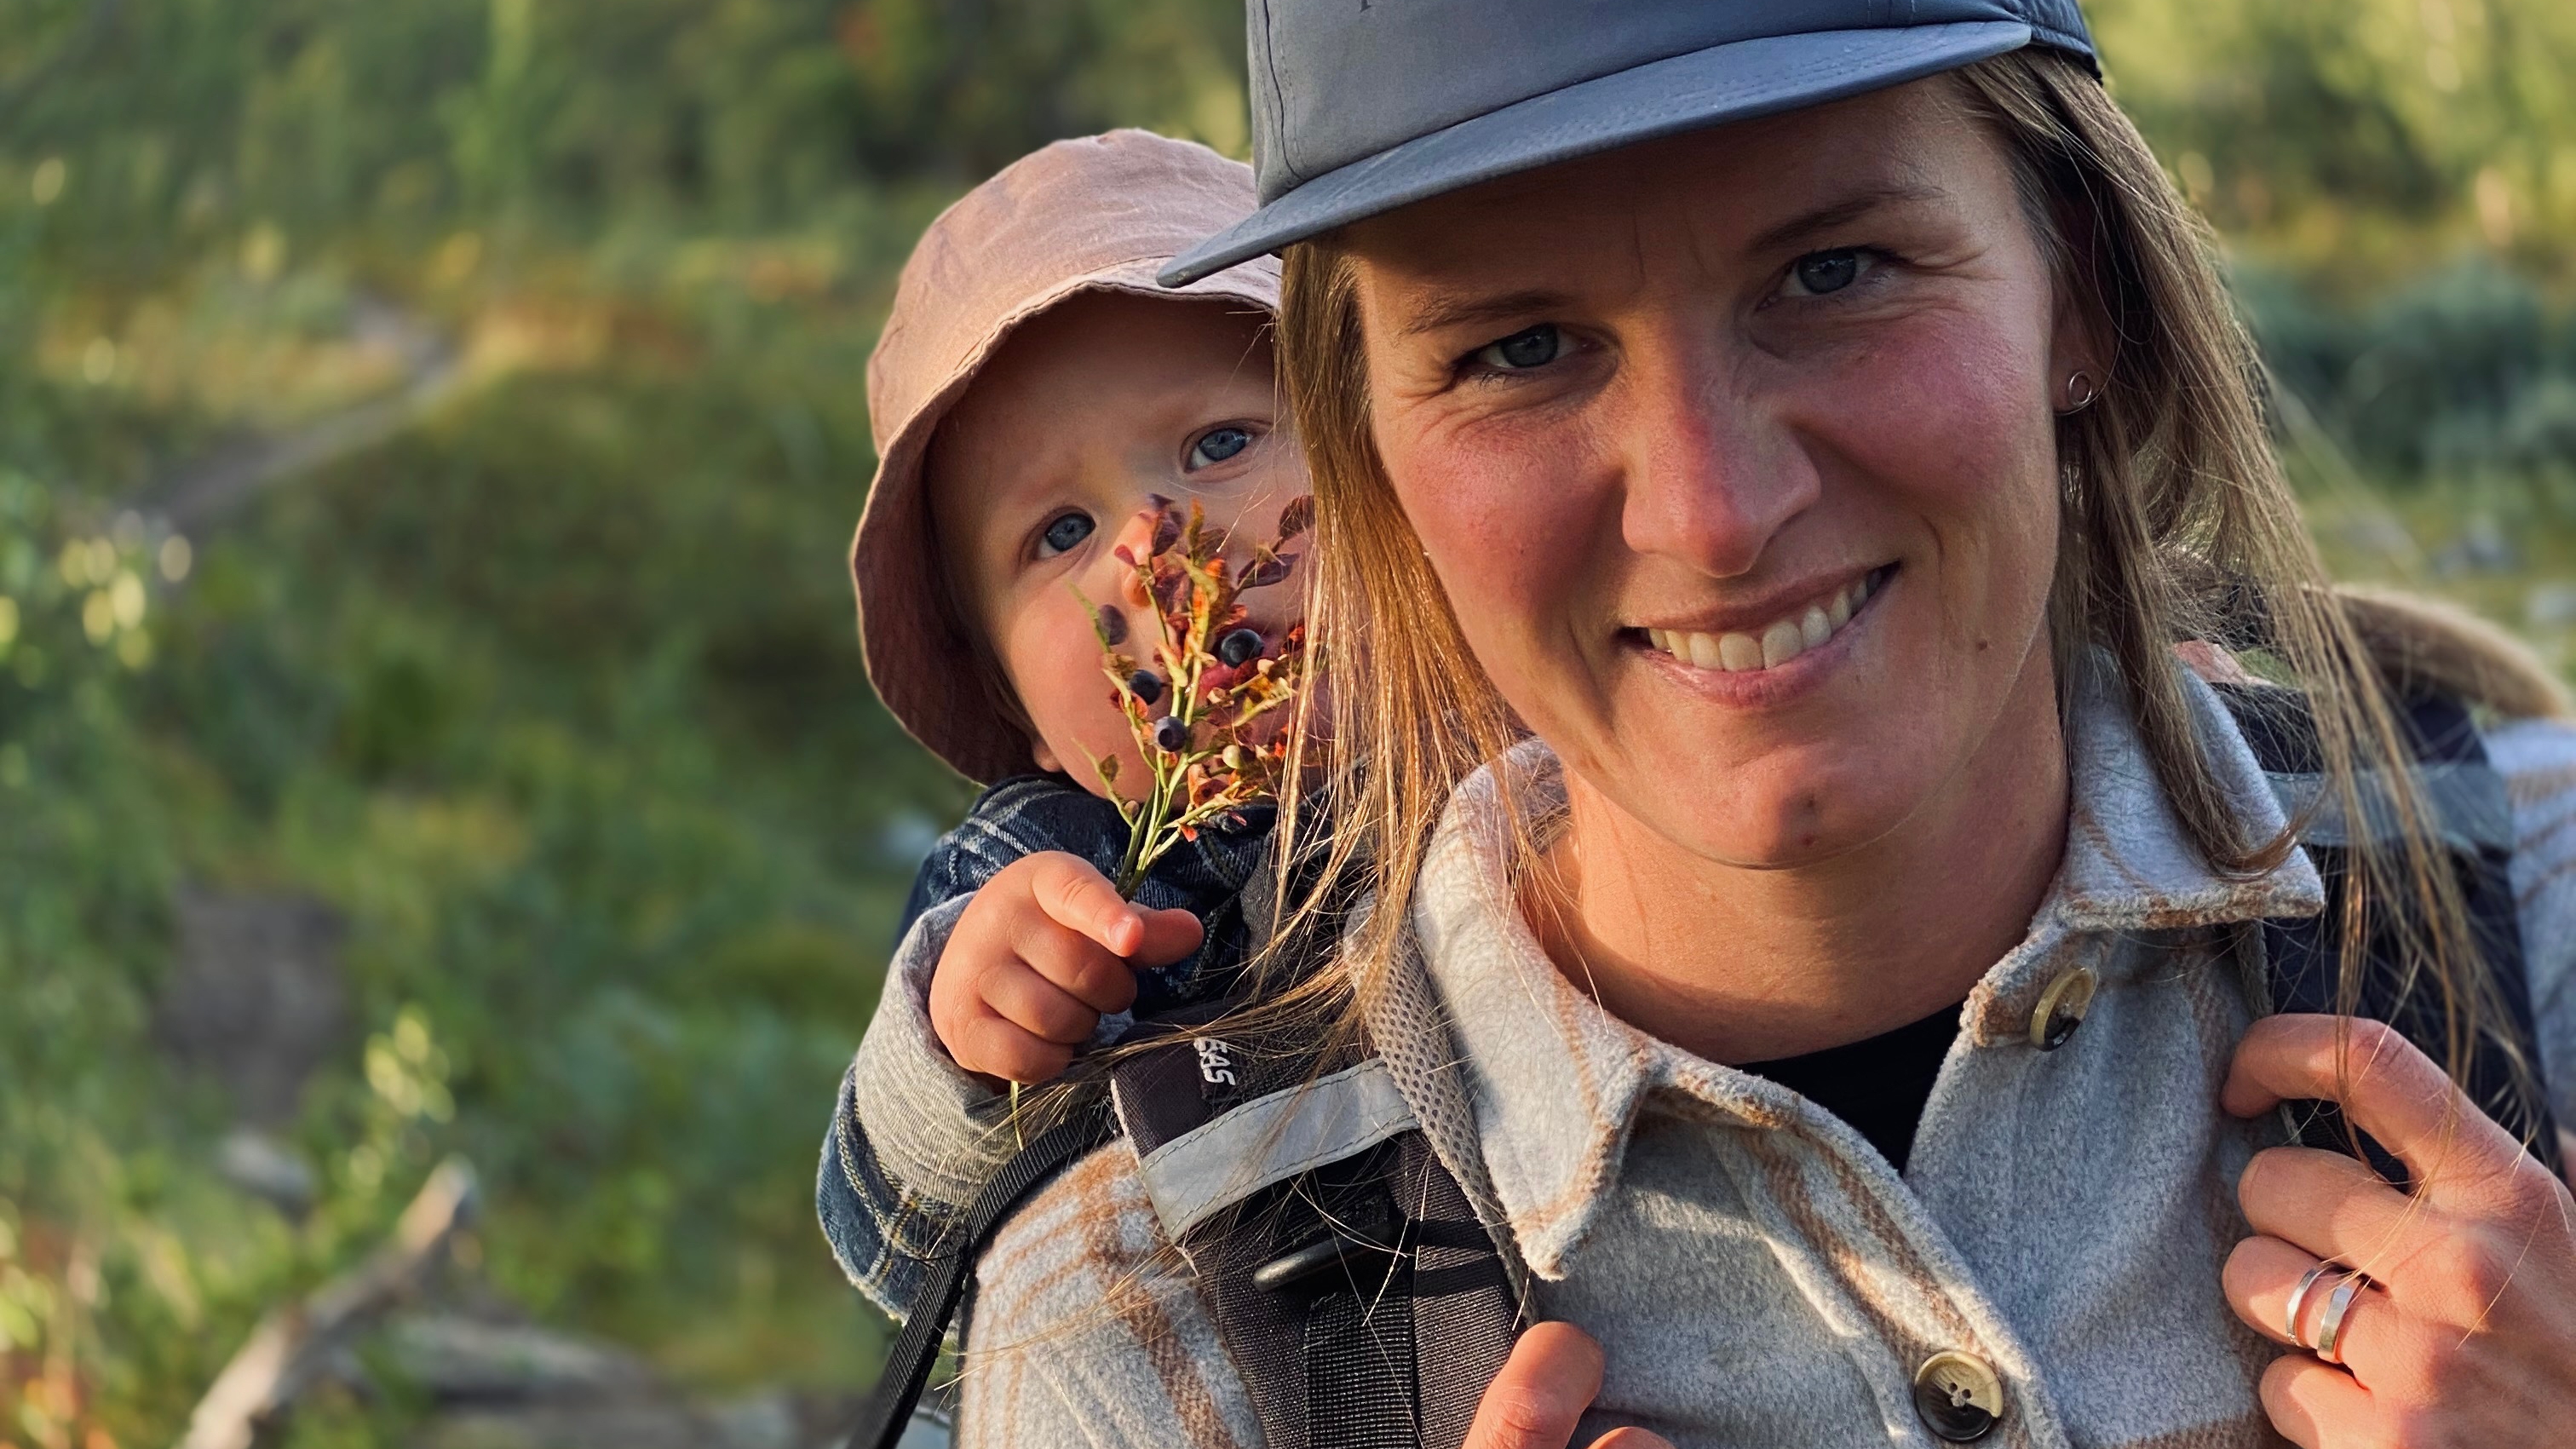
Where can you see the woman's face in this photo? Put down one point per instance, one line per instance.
(1735, 453)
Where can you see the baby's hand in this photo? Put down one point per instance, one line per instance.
(1044, 949)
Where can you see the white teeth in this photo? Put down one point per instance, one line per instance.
(1781, 643)
(1774, 645)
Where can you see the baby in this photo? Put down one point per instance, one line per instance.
(1033, 392)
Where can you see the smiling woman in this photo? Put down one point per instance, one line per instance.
(1792, 501)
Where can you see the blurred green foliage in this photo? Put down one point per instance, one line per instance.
(549, 687)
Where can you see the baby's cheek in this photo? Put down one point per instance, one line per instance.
(1053, 658)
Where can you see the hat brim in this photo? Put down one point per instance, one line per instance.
(1704, 88)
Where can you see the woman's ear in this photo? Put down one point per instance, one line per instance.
(2080, 351)
(2079, 369)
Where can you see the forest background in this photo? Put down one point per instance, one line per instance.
(429, 434)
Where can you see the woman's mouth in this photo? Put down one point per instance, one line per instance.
(1805, 626)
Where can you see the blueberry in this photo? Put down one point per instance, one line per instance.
(1146, 685)
(1239, 647)
(1170, 735)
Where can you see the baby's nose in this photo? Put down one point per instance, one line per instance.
(1137, 537)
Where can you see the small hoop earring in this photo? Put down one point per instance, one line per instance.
(2081, 393)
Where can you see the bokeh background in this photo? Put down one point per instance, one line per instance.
(430, 718)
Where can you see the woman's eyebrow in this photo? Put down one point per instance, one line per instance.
(1843, 212)
(1440, 312)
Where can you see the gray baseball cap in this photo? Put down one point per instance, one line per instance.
(1360, 107)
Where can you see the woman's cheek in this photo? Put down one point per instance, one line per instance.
(1495, 507)
(1954, 421)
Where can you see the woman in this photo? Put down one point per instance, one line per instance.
(1767, 457)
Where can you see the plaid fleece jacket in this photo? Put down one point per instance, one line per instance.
(1755, 1271)
(878, 1230)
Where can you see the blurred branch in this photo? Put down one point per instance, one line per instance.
(194, 493)
(293, 1346)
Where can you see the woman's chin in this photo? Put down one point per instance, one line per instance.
(1790, 820)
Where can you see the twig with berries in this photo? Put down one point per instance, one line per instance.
(1218, 742)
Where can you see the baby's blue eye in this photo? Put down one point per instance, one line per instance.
(1821, 272)
(1531, 347)
(1218, 444)
(1064, 533)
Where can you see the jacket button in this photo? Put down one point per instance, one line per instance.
(1958, 1396)
(2061, 1008)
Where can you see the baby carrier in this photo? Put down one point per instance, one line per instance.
(1365, 1305)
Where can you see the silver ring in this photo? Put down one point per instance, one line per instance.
(2338, 1303)
(2299, 1297)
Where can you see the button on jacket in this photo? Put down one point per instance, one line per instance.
(1755, 1271)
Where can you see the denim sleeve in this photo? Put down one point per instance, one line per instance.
(913, 1137)
(952, 870)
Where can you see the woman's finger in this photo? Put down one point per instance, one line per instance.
(2334, 1206)
(2388, 1088)
(2314, 1404)
(2263, 1274)
(1550, 1379)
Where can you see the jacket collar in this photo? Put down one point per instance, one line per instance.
(1554, 1081)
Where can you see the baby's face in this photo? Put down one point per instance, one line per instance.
(1046, 465)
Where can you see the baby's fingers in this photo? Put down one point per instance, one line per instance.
(1075, 965)
(1038, 1006)
(1170, 936)
(1076, 896)
(989, 1045)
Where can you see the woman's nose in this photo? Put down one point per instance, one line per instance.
(1710, 478)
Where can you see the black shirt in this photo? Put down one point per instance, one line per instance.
(1878, 1085)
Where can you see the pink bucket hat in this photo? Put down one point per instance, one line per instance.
(1099, 214)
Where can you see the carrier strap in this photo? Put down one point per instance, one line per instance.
(907, 1367)
(1361, 1300)
(2303, 956)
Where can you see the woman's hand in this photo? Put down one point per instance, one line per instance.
(1550, 1379)
(2465, 1333)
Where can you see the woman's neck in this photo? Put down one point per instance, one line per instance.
(1742, 964)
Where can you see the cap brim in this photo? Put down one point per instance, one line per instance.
(1710, 87)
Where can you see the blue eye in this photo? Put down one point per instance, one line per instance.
(1064, 533)
(1531, 347)
(1820, 273)
(1218, 444)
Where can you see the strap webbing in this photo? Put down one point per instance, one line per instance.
(1398, 1316)
(916, 1348)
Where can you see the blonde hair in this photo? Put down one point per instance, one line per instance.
(2178, 526)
